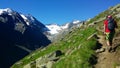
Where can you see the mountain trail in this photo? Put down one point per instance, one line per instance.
(106, 59)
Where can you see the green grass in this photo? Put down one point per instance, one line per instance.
(79, 58)
(71, 40)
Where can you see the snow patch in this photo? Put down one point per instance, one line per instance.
(65, 26)
(54, 28)
(76, 22)
(25, 19)
(7, 11)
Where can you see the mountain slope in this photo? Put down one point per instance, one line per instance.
(106, 59)
(17, 38)
(77, 49)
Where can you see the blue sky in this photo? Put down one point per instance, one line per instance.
(59, 11)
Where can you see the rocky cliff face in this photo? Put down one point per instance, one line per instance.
(19, 36)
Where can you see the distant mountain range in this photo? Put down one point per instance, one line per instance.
(56, 31)
(55, 28)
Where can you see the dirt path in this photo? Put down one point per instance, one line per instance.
(106, 59)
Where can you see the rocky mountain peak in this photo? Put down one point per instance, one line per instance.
(19, 35)
(6, 11)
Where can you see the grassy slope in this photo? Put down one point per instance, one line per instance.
(76, 40)
(70, 41)
(80, 57)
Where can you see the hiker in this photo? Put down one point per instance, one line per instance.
(109, 29)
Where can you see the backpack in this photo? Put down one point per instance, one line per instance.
(111, 24)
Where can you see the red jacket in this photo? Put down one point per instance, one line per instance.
(106, 25)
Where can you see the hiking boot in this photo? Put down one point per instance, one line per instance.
(109, 48)
(113, 50)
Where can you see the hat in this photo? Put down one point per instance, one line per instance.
(109, 16)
